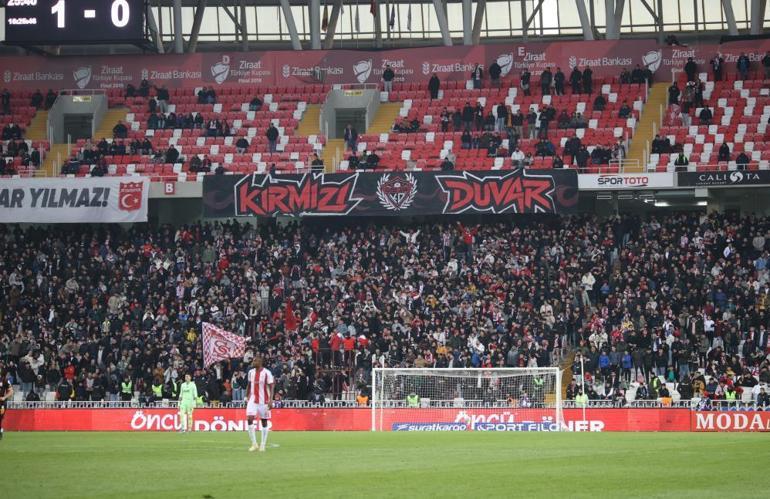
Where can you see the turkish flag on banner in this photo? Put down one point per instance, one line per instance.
(219, 344)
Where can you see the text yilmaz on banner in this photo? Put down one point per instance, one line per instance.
(74, 200)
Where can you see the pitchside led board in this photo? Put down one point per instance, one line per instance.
(390, 194)
(61, 22)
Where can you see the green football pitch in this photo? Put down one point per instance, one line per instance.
(409, 465)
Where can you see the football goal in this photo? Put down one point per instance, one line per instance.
(496, 399)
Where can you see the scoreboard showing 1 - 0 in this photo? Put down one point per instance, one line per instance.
(60, 22)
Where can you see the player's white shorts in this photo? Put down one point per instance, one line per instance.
(259, 410)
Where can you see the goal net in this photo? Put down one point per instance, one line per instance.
(523, 399)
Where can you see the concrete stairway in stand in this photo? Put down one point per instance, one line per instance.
(59, 153)
(309, 124)
(55, 158)
(649, 122)
(111, 118)
(566, 372)
(386, 116)
(38, 129)
(333, 150)
(565, 365)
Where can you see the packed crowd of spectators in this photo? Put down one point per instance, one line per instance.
(99, 313)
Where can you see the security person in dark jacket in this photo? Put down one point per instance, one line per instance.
(706, 116)
(576, 81)
(272, 137)
(525, 82)
(494, 74)
(690, 68)
(387, 78)
(581, 158)
(467, 114)
(588, 80)
(545, 82)
(433, 86)
(558, 82)
(673, 94)
(476, 76)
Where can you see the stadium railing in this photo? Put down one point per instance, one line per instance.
(694, 404)
(725, 166)
(635, 404)
(164, 404)
(82, 91)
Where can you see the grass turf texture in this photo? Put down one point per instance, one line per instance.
(217, 465)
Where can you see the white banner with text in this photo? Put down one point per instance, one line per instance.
(626, 181)
(74, 200)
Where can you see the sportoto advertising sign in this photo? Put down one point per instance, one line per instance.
(74, 200)
(390, 194)
(626, 181)
(724, 179)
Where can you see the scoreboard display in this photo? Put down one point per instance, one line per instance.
(61, 22)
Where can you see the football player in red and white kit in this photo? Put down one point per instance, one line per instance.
(260, 402)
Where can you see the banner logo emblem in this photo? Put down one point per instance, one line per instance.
(221, 70)
(82, 76)
(397, 193)
(362, 70)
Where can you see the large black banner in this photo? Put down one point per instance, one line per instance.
(394, 194)
(723, 179)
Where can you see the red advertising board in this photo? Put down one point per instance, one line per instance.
(538, 420)
(413, 65)
(360, 420)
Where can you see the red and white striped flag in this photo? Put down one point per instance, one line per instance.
(219, 344)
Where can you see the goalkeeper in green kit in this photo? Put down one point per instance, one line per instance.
(188, 395)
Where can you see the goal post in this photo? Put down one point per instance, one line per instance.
(493, 399)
